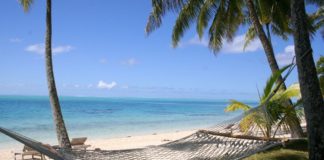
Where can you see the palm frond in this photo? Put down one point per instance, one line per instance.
(26, 4)
(320, 72)
(247, 122)
(264, 10)
(207, 11)
(186, 16)
(315, 21)
(320, 66)
(236, 105)
(279, 32)
(271, 81)
(250, 35)
(280, 15)
(229, 16)
(217, 29)
(292, 91)
(159, 8)
(234, 19)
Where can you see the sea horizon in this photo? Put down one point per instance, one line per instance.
(108, 117)
(128, 97)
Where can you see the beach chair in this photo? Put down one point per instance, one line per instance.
(30, 154)
(79, 143)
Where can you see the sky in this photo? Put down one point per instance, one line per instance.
(100, 49)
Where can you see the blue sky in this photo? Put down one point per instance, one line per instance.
(100, 49)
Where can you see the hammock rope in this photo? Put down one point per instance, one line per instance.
(224, 141)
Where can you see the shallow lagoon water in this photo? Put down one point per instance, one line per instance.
(108, 117)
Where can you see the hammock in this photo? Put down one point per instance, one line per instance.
(223, 141)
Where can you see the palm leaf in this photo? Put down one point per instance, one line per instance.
(250, 35)
(280, 15)
(315, 21)
(264, 10)
(236, 105)
(247, 122)
(234, 19)
(270, 83)
(228, 17)
(218, 28)
(292, 92)
(159, 8)
(26, 4)
(279, 32)
(206, 12)
(320, 66)
(186, 16)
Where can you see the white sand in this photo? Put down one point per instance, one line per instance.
(113, 144)
(8, 154)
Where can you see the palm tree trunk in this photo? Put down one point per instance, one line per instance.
(62, 136)
(268, 34)
(294, 125)
(309, 84)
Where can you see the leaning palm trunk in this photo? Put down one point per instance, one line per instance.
(62, 136)
(294, 124)
(309, 84)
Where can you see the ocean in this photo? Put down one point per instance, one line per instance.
(108, 117)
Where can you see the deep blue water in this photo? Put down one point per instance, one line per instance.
(108, 117)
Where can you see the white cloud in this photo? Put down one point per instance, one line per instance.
(124, 87)
(197, 41)
(130, 62)
(15, 40)
(40, 49)
(237, 45)
(104, 85)
(90, 85)
(103, 61)
(62, 49)
(287, 56)
(36, 48)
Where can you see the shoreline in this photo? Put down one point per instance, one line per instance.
(128, 142)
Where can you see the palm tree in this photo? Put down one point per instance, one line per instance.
(273, 18)
(61, 132)
(267, 46)
(227, 16)
(309, 85)
(271, 112)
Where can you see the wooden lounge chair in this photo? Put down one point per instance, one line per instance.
(78, 143)
(30, 154)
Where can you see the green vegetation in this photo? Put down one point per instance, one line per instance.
(296, 150)
(282, 154)
(320, 72)
(272, 111)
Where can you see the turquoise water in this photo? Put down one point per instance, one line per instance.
(108, 117)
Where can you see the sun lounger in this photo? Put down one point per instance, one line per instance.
(29, 153)
(79, 143)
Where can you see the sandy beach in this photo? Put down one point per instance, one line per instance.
(7, 153)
